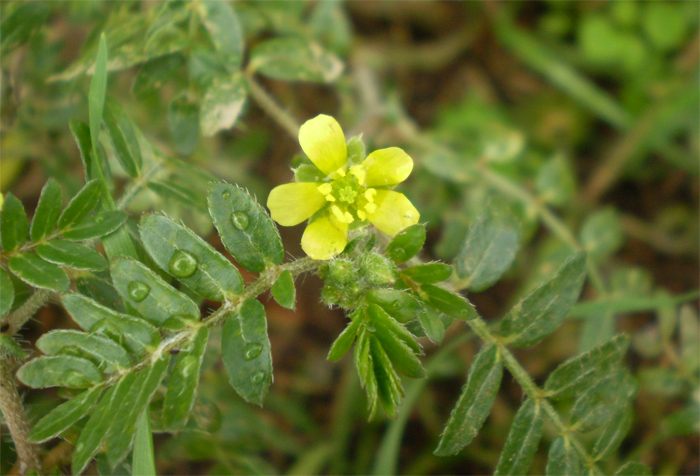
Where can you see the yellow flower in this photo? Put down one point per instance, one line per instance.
(350, 195)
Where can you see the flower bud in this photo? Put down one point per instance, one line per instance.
(378, 270)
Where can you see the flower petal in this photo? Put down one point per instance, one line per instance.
(323, 142)
(394, 212)
(387, 167)
(325, 237)
(292, 203)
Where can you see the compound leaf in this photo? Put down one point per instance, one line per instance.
(182, 384)
(542, 310)
(38, 273)
(152, 297)
(474, 403)
(71, 255)
(64, 416)
(245, 350)
(247, 232)
(47, 210)
(193, 261)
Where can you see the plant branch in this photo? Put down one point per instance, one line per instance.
(16, 420)
(531, 389)
(25, 312)
(270, 106)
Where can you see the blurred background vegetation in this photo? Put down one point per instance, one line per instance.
(580, 117)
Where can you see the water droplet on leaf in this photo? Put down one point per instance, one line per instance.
(182, 264)
(258, 377)
(240, 220)
(138, 290)
(99, 219)
(251, 351)
(226, 195)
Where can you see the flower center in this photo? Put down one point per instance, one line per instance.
(350, 199)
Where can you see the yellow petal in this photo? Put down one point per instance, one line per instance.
(292, 203)
(394, 212)
(323, 142)
(387, 167)
(324, 238)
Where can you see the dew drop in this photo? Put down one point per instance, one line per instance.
(226, 195)
(182, 264)
(204, 266)
(258, 377)
(252, 350)
(138, 290)
(398, 251)
(240, 220)
(74, 379)
(99, 219)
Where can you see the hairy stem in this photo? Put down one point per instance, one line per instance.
(270, 106)
(16, 420)
(25, 312)
(532, 390)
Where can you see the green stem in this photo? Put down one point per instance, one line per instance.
(531, 389)
(270, 106)
(25, 312)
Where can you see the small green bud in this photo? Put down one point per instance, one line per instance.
(341, 271)
(378, 270)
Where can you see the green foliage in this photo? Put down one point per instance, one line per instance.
(474, 403)
(245, 350)
(498, 171)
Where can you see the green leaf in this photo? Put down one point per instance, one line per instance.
(406, 244)
(398, 304)
(562, 459)
(489, 248)
(665, 25)
(96, 226)
(454, 305)
(193, 261)
(59, 371)
(523, 438)
(38, 273)
(222, 103)
(634, 468)
(428, 273)
(245, 350)
(7, 292)
(394, 342)
(120, 435)
(18, 26)
(47, 210)
(64, 416)
(182, 384)
(105, 350)
(169, 190)
(183, 122)
(284, 291)
(246, 230)
(388, 384)
(613, 433)
(225, 32)
(556, 181)
(542, 310)
(144, 459)
(474, 403)
(96, 100)
(13, 223)
(80, 205)
(146, 292)
(583, 370)
(344, 341)
(134, 333)
(431, 324)
(690, 339)
(102, 418)
(295, 59)
(599, 403)
(601, 234)
(71, 255)
(123, 134)
(156, 73)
